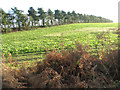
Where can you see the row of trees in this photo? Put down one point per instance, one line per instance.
(16, 20)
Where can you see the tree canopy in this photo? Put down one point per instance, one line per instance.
(17, 20)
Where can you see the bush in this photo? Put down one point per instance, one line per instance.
(71, 69)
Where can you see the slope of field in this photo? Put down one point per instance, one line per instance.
(31, 45)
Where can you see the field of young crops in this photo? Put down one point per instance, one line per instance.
(28, 45)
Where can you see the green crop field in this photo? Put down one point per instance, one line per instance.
(32, 45)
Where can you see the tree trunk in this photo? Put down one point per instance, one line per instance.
(51, 22)
(59, 21)
(13, 25)
(64, 21)
(19, 29)
(5, 29)
(43, 22)
(32, 23)
(39, 23)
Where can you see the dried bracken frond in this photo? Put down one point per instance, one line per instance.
(68, 68)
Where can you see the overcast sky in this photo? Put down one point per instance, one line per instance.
(104, 8)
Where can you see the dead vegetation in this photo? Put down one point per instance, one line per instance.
(67, 69)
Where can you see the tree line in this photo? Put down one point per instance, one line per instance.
(17, 21)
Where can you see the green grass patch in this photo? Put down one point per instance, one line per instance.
(30, 45)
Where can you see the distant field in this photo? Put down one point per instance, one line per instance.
(31, 45)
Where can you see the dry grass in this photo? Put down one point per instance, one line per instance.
(67, 69)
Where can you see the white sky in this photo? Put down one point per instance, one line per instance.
(104, 8)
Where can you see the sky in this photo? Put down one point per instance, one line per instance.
(104, 8)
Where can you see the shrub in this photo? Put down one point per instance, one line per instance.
(69, 68)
